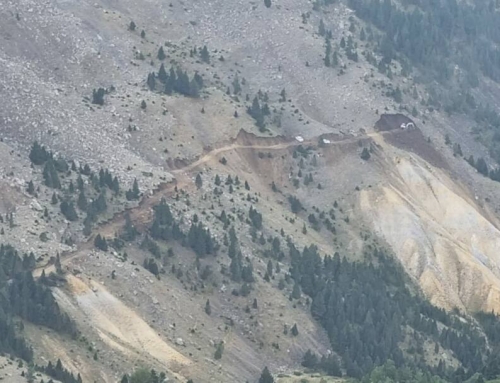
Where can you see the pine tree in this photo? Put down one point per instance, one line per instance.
(266, 376)
(236, 85)
(310, 360)
(143, 105)
(335, 59)
(321, 28)
(208, 308)
(101, 243)
(98, 96)
(205, 55)
(362, 35)
(219, 351)
(134, 193)
(198, 181)
(162, 74)
(50, 175)
(115, 185)
(482, 166)
(270, 268)
(31, 188)
(82, 201)
(295, 330)
(38, 154)
(282, 95)
(296, 291)
(161, 54)
(365, 154)
(131, 26)
(58, 265)
(328, 51)
(68, 210)
(267, 3)
(143, 34)
(151, 81)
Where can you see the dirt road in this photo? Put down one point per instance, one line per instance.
(142, 213)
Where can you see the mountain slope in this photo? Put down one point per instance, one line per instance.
(216, 186)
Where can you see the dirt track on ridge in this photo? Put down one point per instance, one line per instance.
(142, 213)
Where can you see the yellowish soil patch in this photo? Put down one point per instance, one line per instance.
(120, 327)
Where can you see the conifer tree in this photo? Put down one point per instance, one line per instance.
(162, 74)
(365, 154)
(208, 308)
(321, 28)
(31, 188)
(50, 175)
(205, 55)
(68, 210)
(151, 81)
(38, 154)
(219, 351)
(266, 376)
(296, 291)
(134, 193)
(98, 96)
(198, 181)
(161, 54)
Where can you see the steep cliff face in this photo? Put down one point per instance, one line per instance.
(443, 238)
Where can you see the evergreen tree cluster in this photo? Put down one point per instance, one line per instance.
(176, 80)
(427, 35)
(50, 176)
(367, 310)
(130, 232)
(389, 373)
(164, 226)
(255, 218)
(143, 375)
(68, 210)
(259, 112)
(151, 265)
(134, 193)
(482, 167)
(60, 373)
(327, 364)
(101, 242)
(151, 246)
(28, 299)
(295, 204)
(106, 179)
(240, 272)
(436, 37)
(39, 154)
(200, 240)
(198, 237)
(100, 182)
